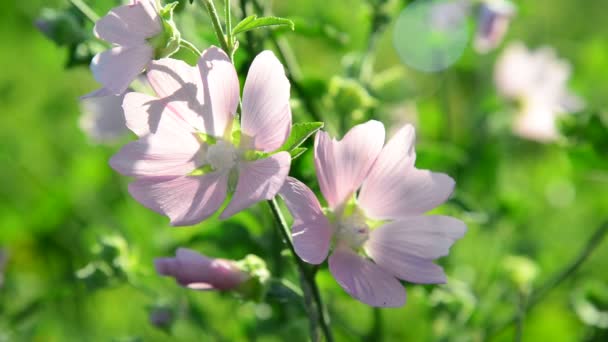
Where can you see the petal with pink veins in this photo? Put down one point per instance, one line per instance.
(343, 165)
(407, 247)
(266, 118)
(116, 68)
(129, 25)
(179, 86)
(220, 89)
(258, 180)
(157, 156)
(185, 200)
(365, 280)
(395, 188)
(311, 231)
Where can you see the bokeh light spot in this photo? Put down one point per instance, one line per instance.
(430, 35)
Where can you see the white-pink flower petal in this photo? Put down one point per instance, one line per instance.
(266, 118)
(102, 118)
(406, 247)
(365, 280)
(116, 68)
(220, 88)
(258, 180)
(157, 156)
(343, 165)
(185, 200)
(311, 230)
(129, 25)
(395, 188)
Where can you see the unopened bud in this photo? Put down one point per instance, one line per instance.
(493, 21)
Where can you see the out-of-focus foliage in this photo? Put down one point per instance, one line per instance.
(76, 250)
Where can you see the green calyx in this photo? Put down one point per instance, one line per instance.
(256, 286)
(167, 42)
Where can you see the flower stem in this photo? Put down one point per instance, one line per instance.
(537, 295)
(188, 45)
(228, 19)
(310, 290)
(85, 9)
(215, 20)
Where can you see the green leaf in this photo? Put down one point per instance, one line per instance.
(299, 133)
(253, 22)
(296, 152)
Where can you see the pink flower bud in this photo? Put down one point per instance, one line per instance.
(198, 272)
(493, 21)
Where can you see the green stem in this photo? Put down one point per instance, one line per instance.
(536, 296)
(86, 10)
(215, 21)
(368, 60)
(188, 45)
(310, 290)
(228, 15)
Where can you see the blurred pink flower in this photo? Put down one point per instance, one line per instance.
(128, 28)
(492, 23)
(198, 272)
(538, 80)
(381, 235)
(102, 117)
(187, 152)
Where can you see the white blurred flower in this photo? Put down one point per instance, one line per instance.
(493, 21)
(103, 118)
(538, 81)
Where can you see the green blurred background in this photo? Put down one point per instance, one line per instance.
(78, 250)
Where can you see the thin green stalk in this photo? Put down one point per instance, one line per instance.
(86, 10)
(536, 296)
(310, 290)
(215, 21)
(188, 45)
(228, 15)
(379, 23)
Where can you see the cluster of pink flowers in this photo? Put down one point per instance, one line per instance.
(195, 150)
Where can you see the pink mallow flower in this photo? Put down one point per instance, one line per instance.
(188, 155)
(538, 81)
(379, 235)
(198, 272)
(128, 28)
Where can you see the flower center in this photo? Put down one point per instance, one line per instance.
(353, 230)
(221, 155)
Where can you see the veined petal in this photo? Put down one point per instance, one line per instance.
(220, 89)
(158, 156)
(185, 200)
(343, 165)
(395, 188)
(172, 77)
(116, 68)
(266, 119)
(365, 280)
(129, 25)
(179, 86)
(407, 247)
(311, 231)
(258, 180)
